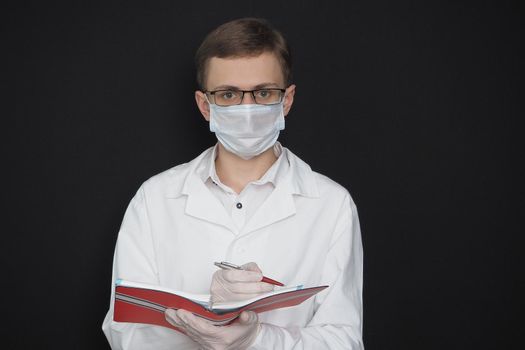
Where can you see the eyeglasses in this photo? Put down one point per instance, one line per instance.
(269, 96)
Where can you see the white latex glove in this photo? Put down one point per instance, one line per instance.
(239, 335)
(233, 285)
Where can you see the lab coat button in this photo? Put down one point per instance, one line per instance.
(239, 205)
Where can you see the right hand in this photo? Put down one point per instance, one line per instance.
(233, 285)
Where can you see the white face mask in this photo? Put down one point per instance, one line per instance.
(247, 130)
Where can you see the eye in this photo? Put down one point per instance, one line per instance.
(228, 94)
(263, 94)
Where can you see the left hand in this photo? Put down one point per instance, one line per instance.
(238, 335)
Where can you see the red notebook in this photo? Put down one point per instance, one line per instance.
(145, 303)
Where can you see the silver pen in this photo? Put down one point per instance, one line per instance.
(228, 266)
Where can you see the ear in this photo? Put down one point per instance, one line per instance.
(288, 99)
(203, 104)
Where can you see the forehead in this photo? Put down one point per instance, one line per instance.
(244, 72)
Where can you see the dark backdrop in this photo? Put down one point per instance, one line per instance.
(411, 105)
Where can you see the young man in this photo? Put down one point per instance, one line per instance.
(246, 200)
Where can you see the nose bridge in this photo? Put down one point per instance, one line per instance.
(248, 98)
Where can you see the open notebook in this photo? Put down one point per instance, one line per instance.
(145, 303)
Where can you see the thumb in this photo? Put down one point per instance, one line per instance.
(251, 266)
(248, 317)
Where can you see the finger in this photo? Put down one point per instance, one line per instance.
(251, 287)
(248, 317)
(183, 315)
(251, 266)
(171, 317)
(233, 276)
(197, 324)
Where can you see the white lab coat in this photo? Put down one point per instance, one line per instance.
(306, 232)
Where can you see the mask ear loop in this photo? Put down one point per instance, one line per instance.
(209, 103)
(206, 98)
(211, 119)
(284, 99)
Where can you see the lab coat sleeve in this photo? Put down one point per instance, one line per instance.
(134, 260)
(337, 321)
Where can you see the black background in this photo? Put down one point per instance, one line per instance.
(411, 105)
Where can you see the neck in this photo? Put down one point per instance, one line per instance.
(236, 172)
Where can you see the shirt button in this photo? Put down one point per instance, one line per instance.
(239, 205)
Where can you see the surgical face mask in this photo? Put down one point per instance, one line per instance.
(247, 130)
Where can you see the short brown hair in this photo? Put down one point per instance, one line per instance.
(244, 37)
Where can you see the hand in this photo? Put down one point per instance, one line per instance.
(232, 285)
(239, 335)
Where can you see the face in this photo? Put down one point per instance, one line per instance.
(244, 73)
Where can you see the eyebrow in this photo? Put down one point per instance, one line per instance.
(256, 87)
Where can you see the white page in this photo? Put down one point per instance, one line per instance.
(203, 299)
(241, 303)
(198, 298)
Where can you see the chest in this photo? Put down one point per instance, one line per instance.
(291, 249)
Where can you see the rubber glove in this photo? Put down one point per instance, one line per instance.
(233, 285)
(238, 335)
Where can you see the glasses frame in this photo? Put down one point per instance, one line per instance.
(212, 93)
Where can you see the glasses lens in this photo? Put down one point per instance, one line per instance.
(268, 96)
(227, 97)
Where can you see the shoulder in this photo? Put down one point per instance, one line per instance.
(335, 193)
(329, 187)
(317, 185)
(171, 182)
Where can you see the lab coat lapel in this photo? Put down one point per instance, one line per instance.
(278, 206)
(202, 204)
(299, 180)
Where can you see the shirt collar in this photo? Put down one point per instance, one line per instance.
(273, 175)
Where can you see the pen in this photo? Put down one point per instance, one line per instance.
(227, 265)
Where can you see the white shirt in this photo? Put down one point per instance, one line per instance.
(305, 232)
(242, 206)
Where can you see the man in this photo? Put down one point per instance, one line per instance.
(246, 200)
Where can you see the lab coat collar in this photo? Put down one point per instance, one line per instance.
(300, 178)
(201, 203)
